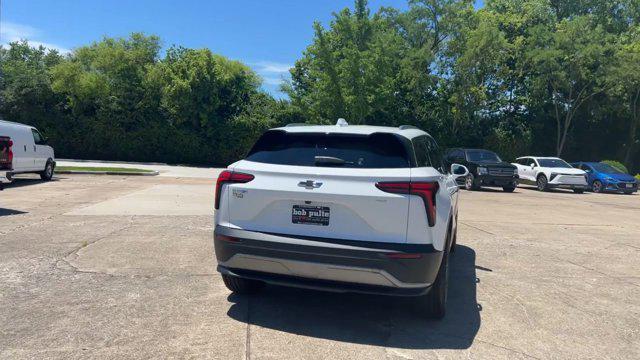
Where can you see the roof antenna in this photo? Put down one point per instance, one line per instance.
(342, 122)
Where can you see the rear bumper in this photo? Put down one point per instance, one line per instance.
(327, 264)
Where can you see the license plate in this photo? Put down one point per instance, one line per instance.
(629, 185)
(310, 215)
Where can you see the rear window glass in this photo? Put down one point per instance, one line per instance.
(378, 150)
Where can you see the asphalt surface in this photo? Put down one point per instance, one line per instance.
(123, 267)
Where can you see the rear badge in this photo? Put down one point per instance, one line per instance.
(239, 193)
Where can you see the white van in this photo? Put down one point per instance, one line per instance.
(24, 150)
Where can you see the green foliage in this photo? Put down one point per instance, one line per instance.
(116, 99)
(637, 177)
(616, 164)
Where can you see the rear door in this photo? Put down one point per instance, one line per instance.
(297, 190)
(5, 153)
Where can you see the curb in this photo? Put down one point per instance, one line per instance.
(132, 173)
(113, 162)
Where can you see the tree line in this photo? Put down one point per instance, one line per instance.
(540, 77)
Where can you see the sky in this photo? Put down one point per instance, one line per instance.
(268, 35)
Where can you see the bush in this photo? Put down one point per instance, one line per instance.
(616, 164)
(637, 177)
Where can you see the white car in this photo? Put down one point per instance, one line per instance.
(550, 172)
(341, 208)
(24, 150)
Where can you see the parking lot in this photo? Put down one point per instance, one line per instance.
(123, 267)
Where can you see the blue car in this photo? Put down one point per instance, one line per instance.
(605, 178)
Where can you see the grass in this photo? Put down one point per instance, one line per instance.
(108, 169)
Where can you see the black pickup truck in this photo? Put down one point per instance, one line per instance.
(485, 169)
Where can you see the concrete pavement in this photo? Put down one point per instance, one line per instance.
(123, 267)
(164, 170)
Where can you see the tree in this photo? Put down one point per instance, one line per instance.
(625, 81)
(569, 66)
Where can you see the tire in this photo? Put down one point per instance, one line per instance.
(454, 242)
(578, 191)
(242, 286)
(47, 173)
(542, 183)
(596, 187)
(433, 305)
(508, 188)
(470, 182)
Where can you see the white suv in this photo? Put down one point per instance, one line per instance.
(550, 172)
(343, 208)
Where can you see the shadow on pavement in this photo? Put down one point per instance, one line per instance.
(20, 182)
(368, 319)
(9, 212)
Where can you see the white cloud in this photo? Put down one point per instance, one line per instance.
(272, 80)
(273, 73)
(271, 67)
(10, 32)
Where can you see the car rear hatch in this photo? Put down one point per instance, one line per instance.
(6, 154)
(322, 185)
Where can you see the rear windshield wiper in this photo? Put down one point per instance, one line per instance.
(330, 160)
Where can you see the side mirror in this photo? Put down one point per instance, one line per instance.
(533, 165)
(459, 170)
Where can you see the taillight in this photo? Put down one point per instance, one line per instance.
(426, 190)
(10, 151)
(227, 177)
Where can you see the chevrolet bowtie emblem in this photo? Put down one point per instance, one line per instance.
(309, 184)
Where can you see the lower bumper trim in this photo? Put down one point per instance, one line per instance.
(322, 285)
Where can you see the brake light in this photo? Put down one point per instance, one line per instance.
(426, 190)
(227, 177)
(9, 158)
(10, 151)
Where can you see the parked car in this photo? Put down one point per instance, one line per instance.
(344, 208)
(605, 178)
(485, 169)
(24, 150)
(550, 172)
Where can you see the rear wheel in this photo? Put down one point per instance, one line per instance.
(578, 191)
(242, 286)
(508, 188)
(47, 173)
(542, 183)
(596, 187)
(433, 304)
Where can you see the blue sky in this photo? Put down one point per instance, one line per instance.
(267, 35)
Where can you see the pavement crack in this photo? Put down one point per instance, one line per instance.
(247, 342)
(84, 244)
(509, 349)
(600, 272)
(477, 228)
